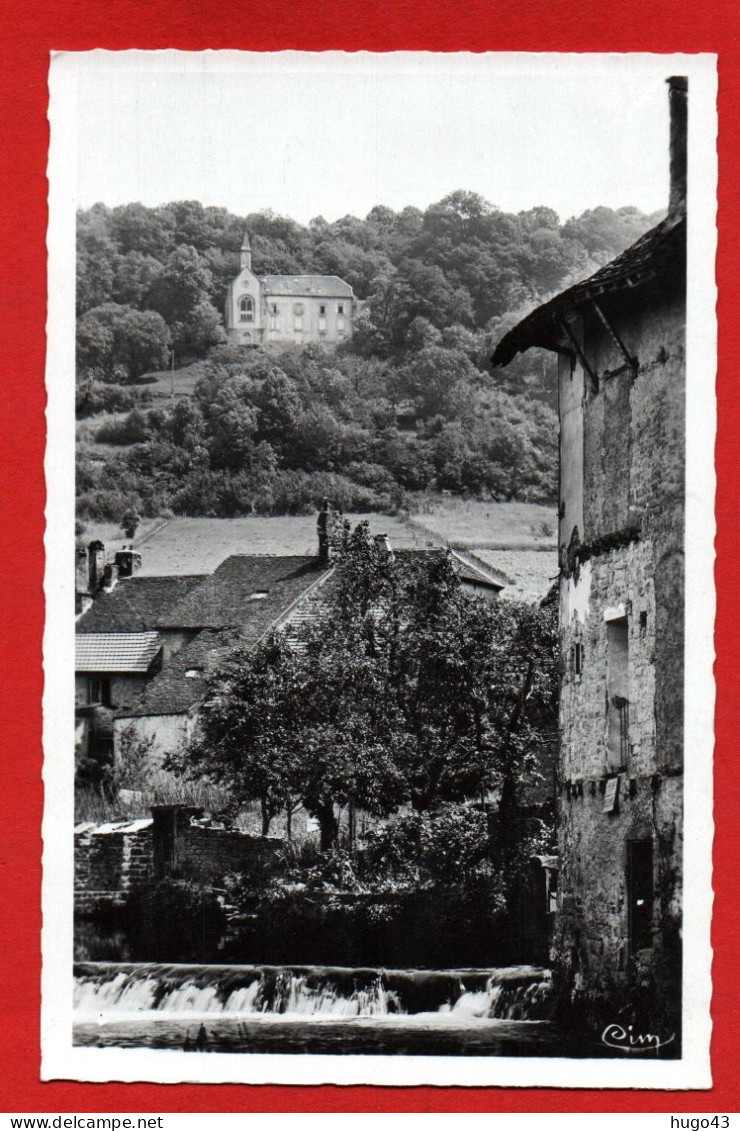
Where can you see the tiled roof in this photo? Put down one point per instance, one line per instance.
(660, 252)
(181, 684)
(329, 286)
(246, 597)
(116, 651)
(137, 604)
(466, 570)
(527, 575)
(247, 590)
(477, 575)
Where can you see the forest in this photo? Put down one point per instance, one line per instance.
(409, 405)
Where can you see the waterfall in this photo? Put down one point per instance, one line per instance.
(106, 991)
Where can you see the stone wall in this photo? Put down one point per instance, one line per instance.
(160, 734)
(111, 861)
(210, 853)
(623, 471)
(114, 860)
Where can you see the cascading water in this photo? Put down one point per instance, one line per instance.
(326, 1010)
(105, 990)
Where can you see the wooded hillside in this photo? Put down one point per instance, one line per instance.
(409, 405)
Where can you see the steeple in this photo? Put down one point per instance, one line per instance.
(246, 253)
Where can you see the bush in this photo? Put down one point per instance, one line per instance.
(447, 848)
(106, 504)
(93, 397)
(178, 921)
(133, 429)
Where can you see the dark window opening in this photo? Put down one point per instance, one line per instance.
(640, 894)
(617, 676)
(102, 750)
(98, 691)
(577, 659)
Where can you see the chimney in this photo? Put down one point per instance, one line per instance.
(128, 562)
(323, 522)
(382, 541)
(96, 564)
(678, 93)
(82, 571)
(110, 575)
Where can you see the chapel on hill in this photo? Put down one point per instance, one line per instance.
(284, 309)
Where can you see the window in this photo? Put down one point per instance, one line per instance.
(640, 894)
(298, 309)
(577, 660)
(102, 749)
(340, 308)
(273, 308)
(246, 309)
(617, 691)
(98, 691)
(322, 309)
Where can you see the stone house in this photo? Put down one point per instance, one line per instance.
(620, 338)
(119, 648)
(287, 309)
(243, 600)
(146, 645)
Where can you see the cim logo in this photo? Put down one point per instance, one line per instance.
(626, 1039)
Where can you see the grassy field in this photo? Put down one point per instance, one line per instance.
(472, 523)
(161, 383)
(198, 545)
(87, 428)
(113, 536)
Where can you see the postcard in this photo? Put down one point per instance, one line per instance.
(378, 712)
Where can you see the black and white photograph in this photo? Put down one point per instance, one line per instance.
(378, 705)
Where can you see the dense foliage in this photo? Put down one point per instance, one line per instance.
(407, 692)
(408, 405)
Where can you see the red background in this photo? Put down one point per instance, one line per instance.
(29, 32)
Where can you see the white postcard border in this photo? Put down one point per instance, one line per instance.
(60, 1059)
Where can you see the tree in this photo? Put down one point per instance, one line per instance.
(406, 690)
(121, 343)
(135, 276)
(95, 258)
(432, 376)
(182, 295)
(232, 424)
(150, 231)
(130, 522)
(243, 740)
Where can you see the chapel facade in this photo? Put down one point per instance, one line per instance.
(287, 309)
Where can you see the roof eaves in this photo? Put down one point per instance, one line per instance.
(655, 253)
